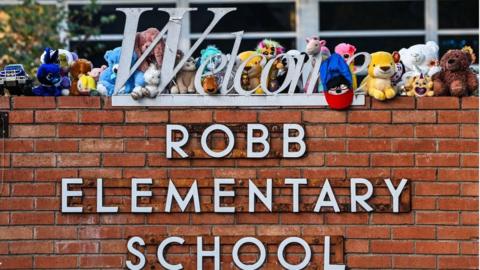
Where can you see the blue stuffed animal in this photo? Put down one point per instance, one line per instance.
(106, 82)
(49, 76)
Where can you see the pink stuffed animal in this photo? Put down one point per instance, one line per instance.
(142, 42)
(95, 72)
(316, 46)
(347, 51)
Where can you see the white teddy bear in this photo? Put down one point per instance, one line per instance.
(152, 80)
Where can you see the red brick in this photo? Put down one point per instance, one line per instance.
(414, 117)
(101, 117)
(436, 247)
(55, 232)
(457, 233)
(280, 116)
(392, 160)
(369, 261)
(396, 103)
(31, 247)
(458, 175)
(101, 145)
(413, 145)
(458, 117)
(438, 103)
(469, 131)
(41, 189)
(78, 160)
(413, 232)
(61, 262)
(437, 189)
(369, 117)
(78, 131)
(437, 218)
(16, 262)
(37, 160)
(235, 116)
(437, 160)
(124, 131)
(352, 160)
(17, 146)
(16, 233)
(458, 146)
(78, 102)
(56, 146)
(33, 102)
(51, 116)
(395, 131)
(414, 262)
(458, 262)
(316, 116)
(26, 131)
(368, 145)
(437, 131)
(376, 232)
(391, 246)
(76, 247)
(20, 117)
(191, 116)
(32, 218)
(5, 103)
(470, 103)
(127, 160)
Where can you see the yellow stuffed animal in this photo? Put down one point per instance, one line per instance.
(86, 85)
(419, 86)
(378, 84)
(252, 71)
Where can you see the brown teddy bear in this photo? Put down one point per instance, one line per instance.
(79, 67)
(455, 79)
(142, 42)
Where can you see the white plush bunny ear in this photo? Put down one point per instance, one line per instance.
(433, 44)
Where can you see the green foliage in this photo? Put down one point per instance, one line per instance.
(27, 29)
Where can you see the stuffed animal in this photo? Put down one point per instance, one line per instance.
(142, 41)
(420, 58)
(347, 51)
(396, 79)
(378, 82)
(270, 49)
(316, 48)
(213, 55)
(337, 82)
(106, 82)
(185, 78)
(455, 79)
(252, 71)
(95, 72)
(419, 86)
(152, 80)
(87, 86)
(79, 67)
(65, 59)
(49, 76)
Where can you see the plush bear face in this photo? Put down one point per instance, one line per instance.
(420, 85)
(81, 66)
(253, 68)
(345, 50)
(152, 75)
(381, 65)
(421, 56)
(455, 60)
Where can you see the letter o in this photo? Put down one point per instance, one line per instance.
(261, 248)
(296, 240)
(226, 151)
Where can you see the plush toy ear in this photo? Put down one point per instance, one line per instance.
(433, 45)
(307, 40)
(322, 42)
(54, 57)
(107, 57)
(351, 49)
(396, 57)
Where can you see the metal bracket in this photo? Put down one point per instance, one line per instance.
(4, 125)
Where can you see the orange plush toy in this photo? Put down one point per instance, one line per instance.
(78, 68)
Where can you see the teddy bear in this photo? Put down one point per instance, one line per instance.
(49, 75)
(456, 78)
(420, 58)
(185, 78)
(347, 51)
(252, 71)
(152, 80)
(380, 71)
(142, 41)
(95, 72)
(419, 86)
(270, 49)
(106, 82)
(79, 67)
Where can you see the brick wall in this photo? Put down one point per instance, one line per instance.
(431, 141)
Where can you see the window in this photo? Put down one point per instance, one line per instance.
(454, 14)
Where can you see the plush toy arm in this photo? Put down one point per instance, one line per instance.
(472, 82)
(439, 87)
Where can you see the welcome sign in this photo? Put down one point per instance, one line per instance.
(231, 90)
